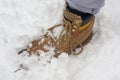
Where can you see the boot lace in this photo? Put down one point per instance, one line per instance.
(71, 22)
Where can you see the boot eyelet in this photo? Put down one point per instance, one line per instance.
(73, 30)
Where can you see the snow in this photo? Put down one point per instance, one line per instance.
(22, 21)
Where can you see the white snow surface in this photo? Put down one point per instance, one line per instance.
(22, 21)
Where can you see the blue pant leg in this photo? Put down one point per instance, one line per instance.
(88, 6)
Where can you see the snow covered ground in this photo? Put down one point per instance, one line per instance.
(22, 21)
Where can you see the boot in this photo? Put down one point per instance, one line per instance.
(76, 32)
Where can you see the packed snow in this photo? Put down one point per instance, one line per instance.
(22, 21)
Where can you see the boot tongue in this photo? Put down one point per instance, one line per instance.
(70, 16)
(75, 20)
(86, 17)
